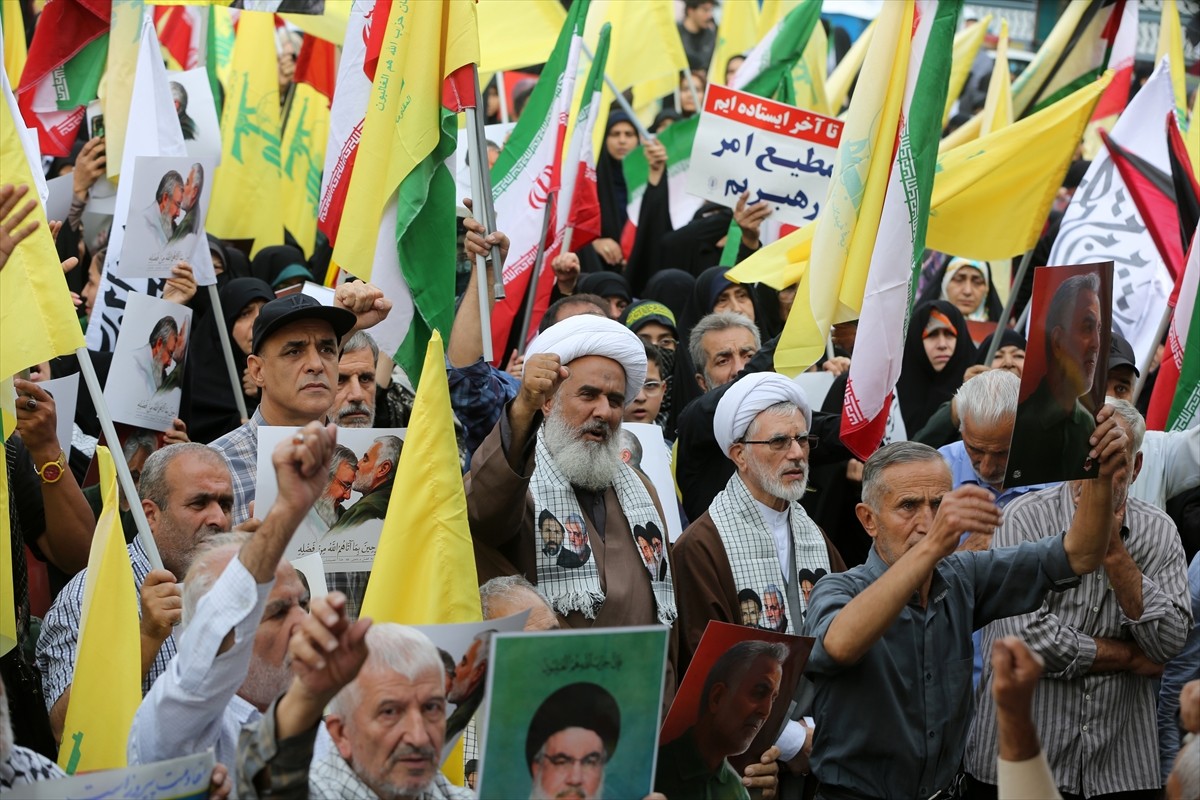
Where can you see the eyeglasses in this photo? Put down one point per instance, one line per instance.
(592, 761)
(652, 388)
(779, 444)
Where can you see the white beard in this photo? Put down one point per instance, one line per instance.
(588, 465)
(326, 509)
(771, 483)
(264, 682)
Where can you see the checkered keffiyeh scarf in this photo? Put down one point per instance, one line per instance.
(751, 547)
(570, 579)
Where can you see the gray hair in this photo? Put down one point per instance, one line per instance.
(873, 486)
(362, 341)
(197, 170)
(139, 439)
(718, 321)
(988, 399)
(179, 94)
(1187, 769)
(1062, 305)
(406, 651)
(167, 326)
(734, 662)
(502, 588)
(154, 486)
(171, 181)
(629, 441)
(203, 573)
(341, 455)
(1135, 424)
(389, 449)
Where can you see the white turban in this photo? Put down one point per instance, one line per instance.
(593, 335)
(749, 396)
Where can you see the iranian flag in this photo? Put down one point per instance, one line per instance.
(1175, 404)
(766, 72)
(62, 74)
(528, 169)
(581, 222)
(919, 78)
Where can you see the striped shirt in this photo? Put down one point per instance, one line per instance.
(240, 448)
(60, 633)
(1099, 731)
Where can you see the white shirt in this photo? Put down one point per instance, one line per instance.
(1170, 465)
(781, 532)
(1025, 780)
(193, 705)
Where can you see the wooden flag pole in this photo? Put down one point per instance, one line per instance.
(994, 345)
(535, 273)
(234, 379)
(124, 477)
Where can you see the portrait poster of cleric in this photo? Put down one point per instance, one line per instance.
(730, 707)
(145, 382)
(165, 225)
(1066, 368)
(572, 713)
(345, 522)
(466, 648)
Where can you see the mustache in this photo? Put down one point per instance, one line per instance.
(353, 407)
(408, 751)
(596, 428)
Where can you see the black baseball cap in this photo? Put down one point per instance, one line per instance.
(293, 308)
(1120, 354)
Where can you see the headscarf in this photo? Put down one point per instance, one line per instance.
(605, 284)
(990, 308)
(644, 312)
(1008, 338)
(920, 390)
(981, 311)
(610, 185)
(271, 261)
(671, 287)
(748, 397)
(590, 335)
(214, 411)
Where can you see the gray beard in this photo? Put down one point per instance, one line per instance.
(791, 492)
(326, 509)
(589, 465)
(264, 682)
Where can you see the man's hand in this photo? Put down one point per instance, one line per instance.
(177, 434)
(749, 218)
(302, 467)
(90, 166)
(1110, 445)
(219, 785)
(479, 242)
(249, 387)
(1017, 670)
(1189, 706)
(1140, 663)
(969, 509)
(181, 286)
(973, 370)
(37, 425)
(544, 373)
(516, 365)
(566, 272)
(365, 301)
(12, 231)
(162, 605)
(836, 365)
(764, 775)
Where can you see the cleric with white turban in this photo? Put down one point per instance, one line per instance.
(749, 396)
(591, 335)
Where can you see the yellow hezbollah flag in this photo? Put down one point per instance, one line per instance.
(15, 52)
(1170, 43)
(107, 687)
(424, 43)
(840, 244)
(303, 158)
(966, 46)
(517, 33)
(997, 109)
(837, 87)
(808, 75)
(116, 88)
(246, 186)
(736, 35)
(329, 25)
(991, 196)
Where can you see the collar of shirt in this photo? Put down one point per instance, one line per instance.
(962, 472)
(777, 522)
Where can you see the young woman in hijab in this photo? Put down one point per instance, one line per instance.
(968, 285)
(214, 411)
(620, 138)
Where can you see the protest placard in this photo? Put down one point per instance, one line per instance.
(145, 382)
(180, 778)
(166, 221)
(780, 154)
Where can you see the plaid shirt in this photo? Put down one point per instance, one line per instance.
(268, 767)
(240, 448)
(478, 394)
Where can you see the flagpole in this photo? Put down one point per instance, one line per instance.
(114, 445)
(1163, 325)
(622, 102)
(692, 92)
(500, 93)
(535, 273)
(481, 191)
(488, 206)
(1002, 324)
(222, 332)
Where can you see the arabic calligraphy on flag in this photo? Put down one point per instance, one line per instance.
(780, 154)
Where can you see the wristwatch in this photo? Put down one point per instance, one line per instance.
(52, 471)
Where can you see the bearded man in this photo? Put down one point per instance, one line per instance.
(579, 375)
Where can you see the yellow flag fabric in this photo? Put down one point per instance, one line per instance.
(424, 43)
(808, 75)
(419, 577)
(37, 320)
(329, 25)
(303, 158)
(840, 244)
(116, 88)
(246, 186)
(517, 33)
(653, 72)
(222, 33)
(991, 197)
(15, 51)
(8, 604)
(107, 686)
(966, 47)
(837, 86)
(997, 109)
(772, 12)
(1170, 43)
(736, 35)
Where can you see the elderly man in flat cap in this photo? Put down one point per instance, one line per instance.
(557, 446)
(755, 534)
(571, 738)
